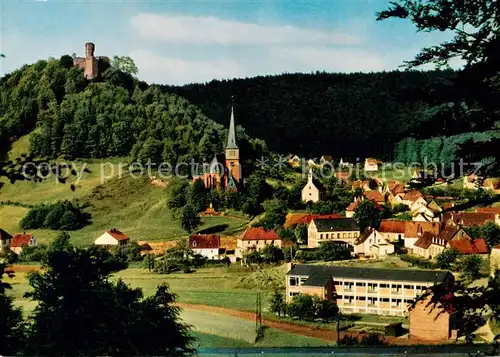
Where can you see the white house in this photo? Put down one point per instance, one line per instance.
(310, 192)
(371, 165)
(207, 245)
(371, 243)
(113, 238)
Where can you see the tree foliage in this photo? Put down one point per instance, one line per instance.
(124, 64)
(64, 215)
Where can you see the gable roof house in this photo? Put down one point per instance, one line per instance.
(351, 209)
(371, 164)
(113, 238)
(468, 219)
(21, 240)
(415, 230)
(428, 212)
(340, 229)
(207, 245)
(375, 196)
(411, 196)
(294, 219)
(5, 239)
(372, 244)
(392, 230)
(256, 238)
(430, 245)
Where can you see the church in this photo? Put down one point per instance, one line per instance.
(224, 171)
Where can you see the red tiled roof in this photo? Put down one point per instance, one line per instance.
(412, 229)
(116, 234)
(259, 233)
(204, 241)
(412, 195)
(342, 175)
(398, 189)
(425, 240)
(293, 219)
(21, 239)
(374, 195)
(352, 207)
(392, 226)
(469, 218)
(495, 210)
(466, 246)
(4, 235)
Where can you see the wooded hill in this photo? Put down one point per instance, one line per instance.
(345, 115)
(114, 115)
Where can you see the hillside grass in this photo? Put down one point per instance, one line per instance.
(115, 200)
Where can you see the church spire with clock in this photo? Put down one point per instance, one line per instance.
(233, 176)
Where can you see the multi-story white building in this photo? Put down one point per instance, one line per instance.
(363, 290)
(337, 229)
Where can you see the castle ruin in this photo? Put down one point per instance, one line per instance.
(90, 64)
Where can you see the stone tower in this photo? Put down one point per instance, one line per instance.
(90, 63)
(233, 166)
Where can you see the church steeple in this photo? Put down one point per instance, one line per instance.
(231, 137)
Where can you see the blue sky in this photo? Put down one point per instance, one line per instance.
(178, 42)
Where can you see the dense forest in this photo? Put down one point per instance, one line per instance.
(348, 115)
(115, 115)
(441, 149)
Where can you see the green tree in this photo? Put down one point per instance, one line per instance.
(277, 303)
(125, 64)
(302, 307)
(470, 267)
(447, 258)
(12, 328)
(367, 215)
(78, 281)
(60, 243)
(272, 254)
(190, 218)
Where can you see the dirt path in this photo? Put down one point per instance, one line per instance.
(322, 334)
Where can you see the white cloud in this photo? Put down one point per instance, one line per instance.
(215, 31)
(176, 71)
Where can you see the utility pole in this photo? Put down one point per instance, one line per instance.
(258, 314)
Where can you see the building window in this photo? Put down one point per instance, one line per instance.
(372, 301)
(348, 286)
(372, 287)
(293, 294)
(395, 302)
(396, 288)
(360, 284)
(384, 286)
(338, 235)
(355, 234)
(292, 281)
(321, 236)
(369, 240)
(384, 299)
(302, 281)
(350, 235)
(327, 235)
(194, 243)
(408, 287)
(344, 235)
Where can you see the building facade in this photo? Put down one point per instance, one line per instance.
(207, 245)
(363, 290)
(21, 240)
(113, 238)
(338, 229)
(256, 238)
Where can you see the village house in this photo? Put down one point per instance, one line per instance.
(468, 219)
(326, 160)
(415, 230)
(363, 290)
(21, 240)
(256, 238)
(495, 210)
(473, 182)
(429, 246)
(310, 192)
(294, 161)
(372, 244)
(433, 321)
(207, 245)
(375, 196)
(371, 165)
(113, 238)
(345, 164)
(294, 219)
(5, 239)
(351, 209)
(411, 196)
(341, 229)
(428, 212)
(392, 230)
